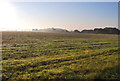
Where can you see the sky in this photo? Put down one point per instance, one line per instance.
(66, 15)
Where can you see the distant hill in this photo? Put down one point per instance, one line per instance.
(51, 30)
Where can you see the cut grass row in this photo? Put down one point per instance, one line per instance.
(36, 66)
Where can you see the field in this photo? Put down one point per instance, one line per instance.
(59, 56)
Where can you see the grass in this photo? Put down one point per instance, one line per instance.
(59, 56)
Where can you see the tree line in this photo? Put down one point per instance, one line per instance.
(106, 30)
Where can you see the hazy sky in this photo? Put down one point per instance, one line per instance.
(67, 15)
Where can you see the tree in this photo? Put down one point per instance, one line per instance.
(76, 31)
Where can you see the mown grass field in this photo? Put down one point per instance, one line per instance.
(59, 56)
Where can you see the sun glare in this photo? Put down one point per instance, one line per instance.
(8, 16)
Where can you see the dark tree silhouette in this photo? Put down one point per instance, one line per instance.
(76, 31)
(87, 31)
(106, 30)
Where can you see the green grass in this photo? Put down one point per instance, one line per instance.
(59, 56)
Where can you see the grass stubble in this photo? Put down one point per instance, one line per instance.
(59, 56)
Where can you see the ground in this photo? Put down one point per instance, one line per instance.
(59, 56)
